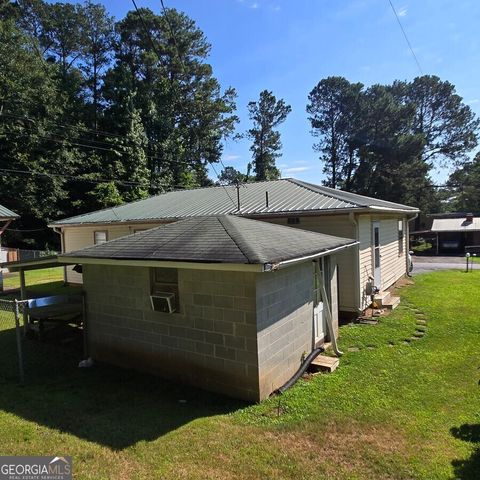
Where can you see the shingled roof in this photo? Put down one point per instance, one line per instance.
(5, 213)
(285, 196)
(216, 239)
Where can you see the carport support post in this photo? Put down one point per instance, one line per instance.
(23, 296)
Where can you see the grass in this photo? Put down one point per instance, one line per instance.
(34, 277)
(395, 409)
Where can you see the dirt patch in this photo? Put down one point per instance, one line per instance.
(341, 449)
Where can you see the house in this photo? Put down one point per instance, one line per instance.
(6, 218)
(225, 303)
(380, 227)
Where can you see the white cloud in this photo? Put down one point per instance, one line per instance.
(295, 169)
(231, 158)
(473, 101)
(402, 12)
(254, 5)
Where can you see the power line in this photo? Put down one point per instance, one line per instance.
(126, 183)
(60, 139)
(406, 37)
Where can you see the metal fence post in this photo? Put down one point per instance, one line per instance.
(19, 343)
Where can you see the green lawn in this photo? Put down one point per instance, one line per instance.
(396, 408)
(34, 277)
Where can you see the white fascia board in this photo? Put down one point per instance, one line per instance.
(238, 267)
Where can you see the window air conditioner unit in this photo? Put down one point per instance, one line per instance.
(163, 302)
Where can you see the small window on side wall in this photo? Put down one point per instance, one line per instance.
(99, 237)
(164, 293)
(400, 237)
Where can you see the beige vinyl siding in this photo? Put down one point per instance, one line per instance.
(393, 263)
(76, 238)
(365, 255)
(341, 226)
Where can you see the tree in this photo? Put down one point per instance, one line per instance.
(97, 38)
(464, 187)
(183, 110)
(334, 109)
(448, 125)
(30, 104)
(231, 176)
(266, 114)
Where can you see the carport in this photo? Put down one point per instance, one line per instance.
(48, 309)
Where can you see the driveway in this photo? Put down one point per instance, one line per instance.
(430, 264)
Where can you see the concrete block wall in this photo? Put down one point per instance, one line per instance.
(211, 343)
(284, 323)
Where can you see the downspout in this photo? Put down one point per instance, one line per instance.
(327, 309)
(356, 264)
(407, 253)
(62, 248)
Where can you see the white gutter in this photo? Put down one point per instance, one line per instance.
(393, 210)
(268, 267)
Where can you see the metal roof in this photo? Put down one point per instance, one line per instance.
(455, 225)
(284, 196)
(6, 213)
(216, 239)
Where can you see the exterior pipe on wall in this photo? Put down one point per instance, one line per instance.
(328, 311)
(353, 218)
(407, 266)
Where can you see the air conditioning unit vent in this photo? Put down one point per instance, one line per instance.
(163, 302)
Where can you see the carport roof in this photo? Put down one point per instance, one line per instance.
(216, 239)
(455, 225)
(6, 213)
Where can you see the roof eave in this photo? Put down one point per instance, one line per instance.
(242, 267)
(287, 263)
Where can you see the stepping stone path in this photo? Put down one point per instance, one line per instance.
(421, 329)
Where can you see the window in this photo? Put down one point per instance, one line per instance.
(165, 294)
(293, 220)
(99, 237)
(400, 237)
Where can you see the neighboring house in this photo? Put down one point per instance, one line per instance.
(381, 227)
(6, 218)
(225, 303)
(455, 233)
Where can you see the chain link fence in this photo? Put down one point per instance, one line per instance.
(11, 332)
(25, 357)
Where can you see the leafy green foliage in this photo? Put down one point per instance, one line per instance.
(266, 114)
(464, 186)
(101, 112)
(383, 141)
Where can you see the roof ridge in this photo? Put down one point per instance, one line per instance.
(308, 186)
(219, 219)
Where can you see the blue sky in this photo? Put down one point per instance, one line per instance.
(288, 46)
